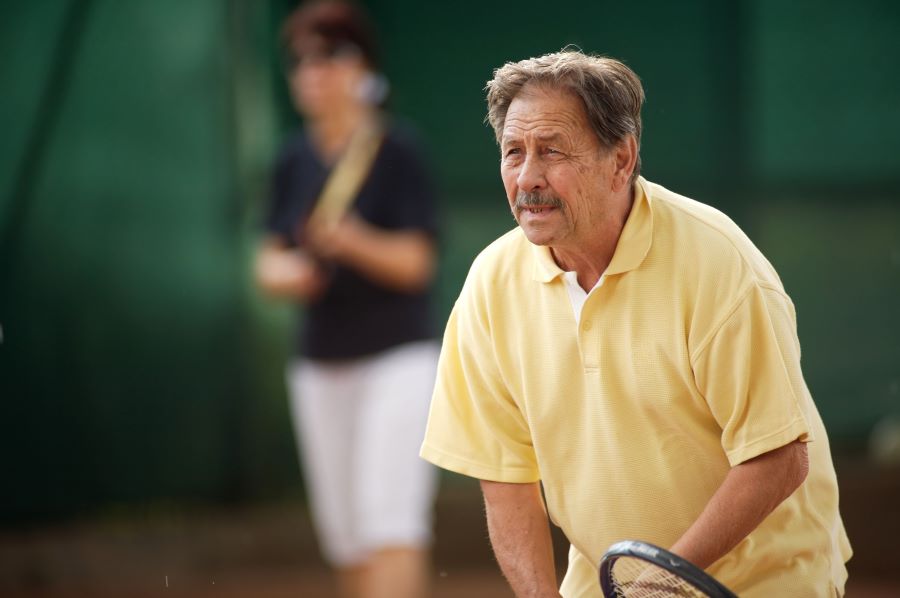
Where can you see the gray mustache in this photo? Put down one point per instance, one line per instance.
(525, 200)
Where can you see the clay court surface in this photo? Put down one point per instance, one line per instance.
(269, 552)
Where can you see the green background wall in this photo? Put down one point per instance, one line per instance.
(138, 363)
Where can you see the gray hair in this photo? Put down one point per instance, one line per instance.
(610, 91)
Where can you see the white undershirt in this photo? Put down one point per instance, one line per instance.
(576, 294)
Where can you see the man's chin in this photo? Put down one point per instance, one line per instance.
(537, 236)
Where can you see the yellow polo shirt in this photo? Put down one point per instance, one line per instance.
(685, 362)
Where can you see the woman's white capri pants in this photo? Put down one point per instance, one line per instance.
(360, 424)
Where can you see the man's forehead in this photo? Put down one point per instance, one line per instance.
(544, 113)
(540, 130)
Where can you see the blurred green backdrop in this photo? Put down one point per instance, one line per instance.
(138, 364)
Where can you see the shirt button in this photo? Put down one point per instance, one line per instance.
(586, 326)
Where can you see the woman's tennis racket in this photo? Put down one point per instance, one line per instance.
(633, 569)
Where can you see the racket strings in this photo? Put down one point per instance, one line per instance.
(635, 578)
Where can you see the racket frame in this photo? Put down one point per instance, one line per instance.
(663, 559)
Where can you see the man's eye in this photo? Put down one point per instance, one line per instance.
(513, 151)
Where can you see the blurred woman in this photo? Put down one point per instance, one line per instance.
(351, 237)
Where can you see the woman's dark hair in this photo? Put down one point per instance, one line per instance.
(330, 27)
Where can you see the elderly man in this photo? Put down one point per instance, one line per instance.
(632, 353)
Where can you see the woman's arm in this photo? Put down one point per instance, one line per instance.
(401, 260)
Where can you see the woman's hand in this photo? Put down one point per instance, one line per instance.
(337, 241)
(288, 273)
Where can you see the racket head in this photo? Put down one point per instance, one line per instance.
(635, 569)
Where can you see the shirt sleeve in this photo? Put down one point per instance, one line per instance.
(278, 218)
(475, 427)
(750, 375)
(414, 198)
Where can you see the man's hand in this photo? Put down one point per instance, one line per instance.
(520, 534)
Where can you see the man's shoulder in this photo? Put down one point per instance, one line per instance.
(693, 216)
(505, 259)
(698, 234)
(498, 250)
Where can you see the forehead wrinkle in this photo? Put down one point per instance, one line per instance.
(556, 119)
(534, 113)
(541, 130)
(538, 100)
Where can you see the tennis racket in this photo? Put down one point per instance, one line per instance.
(633, 569)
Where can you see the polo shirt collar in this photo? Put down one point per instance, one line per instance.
(632, 248)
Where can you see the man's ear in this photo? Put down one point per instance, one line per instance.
(626, 152)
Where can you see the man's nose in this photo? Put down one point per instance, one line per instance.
(531, 175)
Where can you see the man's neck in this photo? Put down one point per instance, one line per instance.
(590, 258)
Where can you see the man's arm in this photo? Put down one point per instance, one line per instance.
(750, 491)
(520, 534)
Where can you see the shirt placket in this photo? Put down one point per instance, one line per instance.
(589, 333)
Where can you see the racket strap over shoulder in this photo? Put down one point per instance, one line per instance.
(348, 175)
